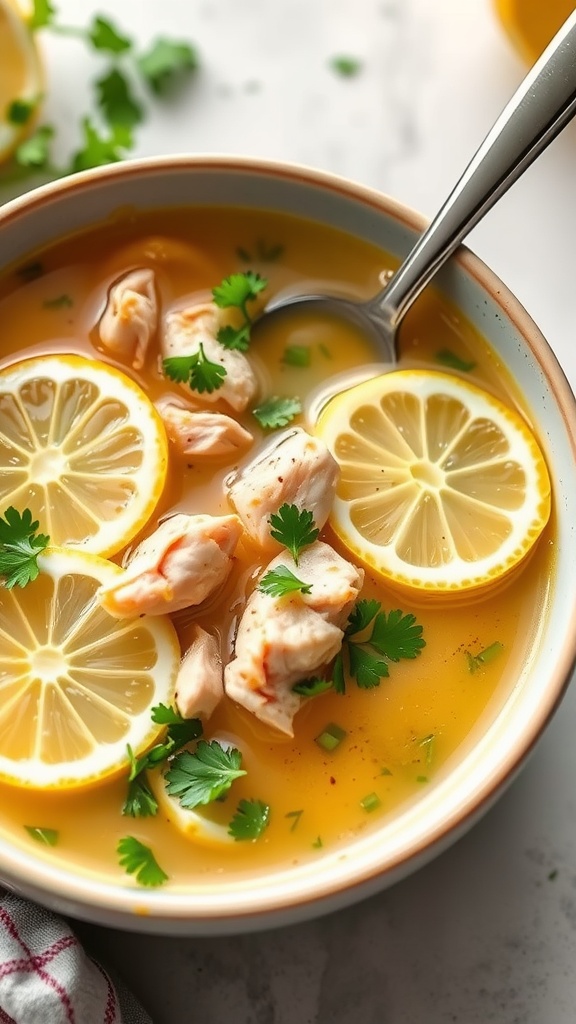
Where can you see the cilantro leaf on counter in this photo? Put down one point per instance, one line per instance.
(281, 581)
(43, 14)
(196, 370)
(294, 528)
(34, 152)
(97, 150)
(138, 859)
(20, 545)
(234, 292)
(165, 62)
(104, 36)
(346, 66)
(116, 101)
(205, 775)
(251, 819)
(277, 412)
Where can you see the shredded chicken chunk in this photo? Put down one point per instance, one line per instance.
(282, 640)
(130, 319)
(199, 686)
(185, 330)
(201, 434)
(296, 469)
(179, 565)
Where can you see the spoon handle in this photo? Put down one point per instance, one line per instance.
(541, 107)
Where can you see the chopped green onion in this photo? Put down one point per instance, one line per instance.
(317, 844)
(476, 661)
(330, 737)
(296, 815)
(421, 778)
(296, 355)
(370, 802)
(385, 771)
(449, 358)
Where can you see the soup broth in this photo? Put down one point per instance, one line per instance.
(401, 735)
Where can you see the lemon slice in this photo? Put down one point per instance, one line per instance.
(76, 684)
(442, 488)
(83, 448)
(20, 73)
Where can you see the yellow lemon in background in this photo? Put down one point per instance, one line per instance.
(21, 79)
(443, 488)
(531, 24)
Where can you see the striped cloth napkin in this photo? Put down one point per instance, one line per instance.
(46, 977)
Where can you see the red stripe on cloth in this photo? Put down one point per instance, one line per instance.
(111, 1012)
(5, 1018)
(35, 964)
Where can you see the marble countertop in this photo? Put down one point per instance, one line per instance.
(487, 932)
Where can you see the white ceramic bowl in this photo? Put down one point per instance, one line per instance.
(486, 766)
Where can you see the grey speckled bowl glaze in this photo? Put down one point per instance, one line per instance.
(483, 768)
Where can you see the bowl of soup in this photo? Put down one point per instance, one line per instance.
(278, 621)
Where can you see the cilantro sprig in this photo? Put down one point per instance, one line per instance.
(139, 860)
(294, 528)
(199, 372)
(203, 776)
(372, 639)
(277, 412)
(281, 581)
(251, 819)
(235, 292)
(140, 801)
(20, 545)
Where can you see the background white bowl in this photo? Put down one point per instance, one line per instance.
(489, 760)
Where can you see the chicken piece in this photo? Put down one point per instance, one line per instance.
(199, 686)
(130, 319)
(185, 330)
(179, 565)
(201, 434)
(295, 468)
(282, 640)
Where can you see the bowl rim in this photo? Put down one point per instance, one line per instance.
(160, 910)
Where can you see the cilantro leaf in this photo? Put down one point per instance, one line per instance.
(165, 63)
(250, 820)
(20, 546)
(294, 528)
(35, 150)
(203, 776)
(281, 581)
(367, 670)
(238, 289)
(312, 687)
(345, 66)
(277, 412)
(116, 102)
(235, 338)
(361, 616)
(20, 111)
(338, 677)
(138, 859)
(196, 370)
(48, 836)
(98, 150)
(104, 36)
(180, 730)
(140, 801)
(43, 13)
(397, 635)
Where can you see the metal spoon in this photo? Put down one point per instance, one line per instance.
(541, 107)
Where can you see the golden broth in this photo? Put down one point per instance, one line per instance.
(401, 735)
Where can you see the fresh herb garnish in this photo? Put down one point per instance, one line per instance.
(449, 358)
(104, 36)
(295, 815)
(250, 820)
(277, 412)
(98, 149)
(59, 302)
(331, 737)
(42, 14)
(297, 355)
(138, 859)
(317, 844)
(196, 370)
(116, 102)
(165, 64)
(48, 836)
(34, 152)
(20, 546)
(476, 661)
(371, 635)
(140, 801)
(312, 687)
(205, 775)
(281, 581)
(294, 528)
(370, 802)
(346, 66)
(20, 111)
(235, 292)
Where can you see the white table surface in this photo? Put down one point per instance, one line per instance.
(483, 934)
